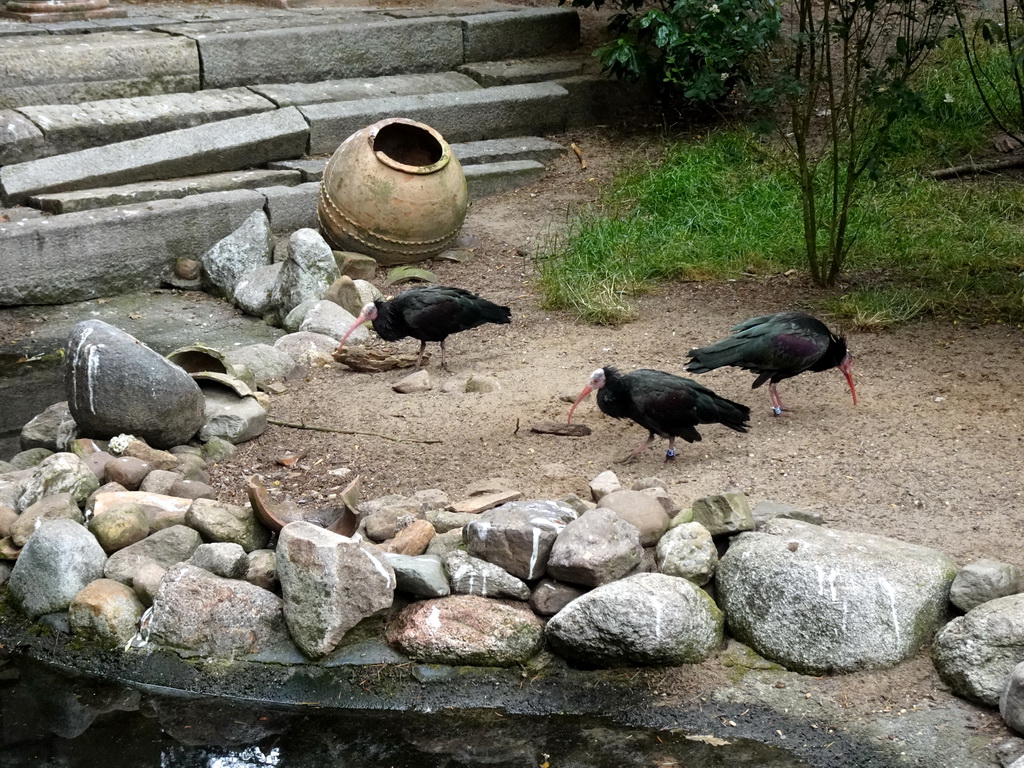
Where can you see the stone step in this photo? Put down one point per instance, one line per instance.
(192, 54)
(486, 165)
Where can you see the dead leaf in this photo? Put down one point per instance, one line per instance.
(290, 459)
(713, 741)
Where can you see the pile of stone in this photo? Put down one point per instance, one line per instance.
(122, 542)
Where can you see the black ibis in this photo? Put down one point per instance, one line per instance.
(777, 347)
(662, 403)
(429, 313)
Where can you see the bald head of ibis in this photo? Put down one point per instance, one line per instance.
(429, 313)
(777, 347)
(665, 405)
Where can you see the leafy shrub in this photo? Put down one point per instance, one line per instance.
(699, 48)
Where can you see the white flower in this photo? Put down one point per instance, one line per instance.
(724, 75)
(949, 98)
(713, 10)
(119, 443)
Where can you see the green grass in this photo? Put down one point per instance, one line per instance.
(714, 210)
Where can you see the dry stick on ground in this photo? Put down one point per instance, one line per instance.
(579, 154)
(315, 428)
(969, 169)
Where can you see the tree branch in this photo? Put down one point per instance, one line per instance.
(315, 428)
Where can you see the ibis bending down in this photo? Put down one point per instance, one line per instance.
(429, 313)
(777, 347)
(662, 403)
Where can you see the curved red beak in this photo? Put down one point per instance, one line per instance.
(586, 391)
(358, 321)
(847, 368)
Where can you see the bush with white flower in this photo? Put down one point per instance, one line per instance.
(690, 47)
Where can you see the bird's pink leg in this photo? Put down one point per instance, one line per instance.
(419, 360)
(635, 453)
(444, 363)
(777, 406)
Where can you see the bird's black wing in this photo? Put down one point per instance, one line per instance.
(663, 403)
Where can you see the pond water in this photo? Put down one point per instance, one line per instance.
(48, 718)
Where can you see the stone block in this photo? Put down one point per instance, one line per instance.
(293, 207)
(329, 51)
(514, 71)
(72, 127)
(520, 34)
(226, 145)
(495, 178)
(146, 191)
(20, 138)
(58, 69)
(311, 169)
(511, 110)
(116, 250)
(353, 89)
(501, 150)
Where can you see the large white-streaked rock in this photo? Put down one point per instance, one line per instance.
(60, 559)
(473, 576)
(518, 536)
(647, 618)
(115, 385)
(467, 630)
(330, 583)
(198, 613)
(820, 601)
(976, 653)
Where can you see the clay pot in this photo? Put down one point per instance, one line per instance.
(393, 191)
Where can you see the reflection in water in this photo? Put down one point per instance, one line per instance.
(48, 719)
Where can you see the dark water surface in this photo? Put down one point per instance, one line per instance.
(51, 720)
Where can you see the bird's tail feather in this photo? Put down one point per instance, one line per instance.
(715, 409)
(717, 355)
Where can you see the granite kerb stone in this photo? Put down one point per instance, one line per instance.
(486, 113)
(222, 146)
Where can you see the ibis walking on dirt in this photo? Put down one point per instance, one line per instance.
(429, 313)
(777, 347)
(664, 404)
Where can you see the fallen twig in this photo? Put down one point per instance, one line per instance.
(971, 169)
(579, 154)
(315, 428)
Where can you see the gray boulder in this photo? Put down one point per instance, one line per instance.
(224, 559)
(330, 319)
(419, 575)
(594, 549)
(314, 563)
(262, 569)
(52, 429)
(308, 349)
(467, 630)
(60, 559)
(648, 618)
(473, 576)
(110, 379)
(198, 613)
(307, 273)
(688, 551)
(518, 536)
(984, 580)
(820, 601)
(550, 596)
(264, 362)
(12, 486)
(230, 417)
(59, 473)
(724, 513)
(254, 293)
(229, 260)
(221, 521)
(976, 653)
(165, 548)
(58, 506)
(1011, 702)
(641, 510)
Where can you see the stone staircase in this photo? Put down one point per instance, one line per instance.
(127, 143)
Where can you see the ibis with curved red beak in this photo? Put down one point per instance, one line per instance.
(777, 347)
(664, 404)
(429, 313)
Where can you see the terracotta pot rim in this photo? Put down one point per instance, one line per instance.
(446, 151)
